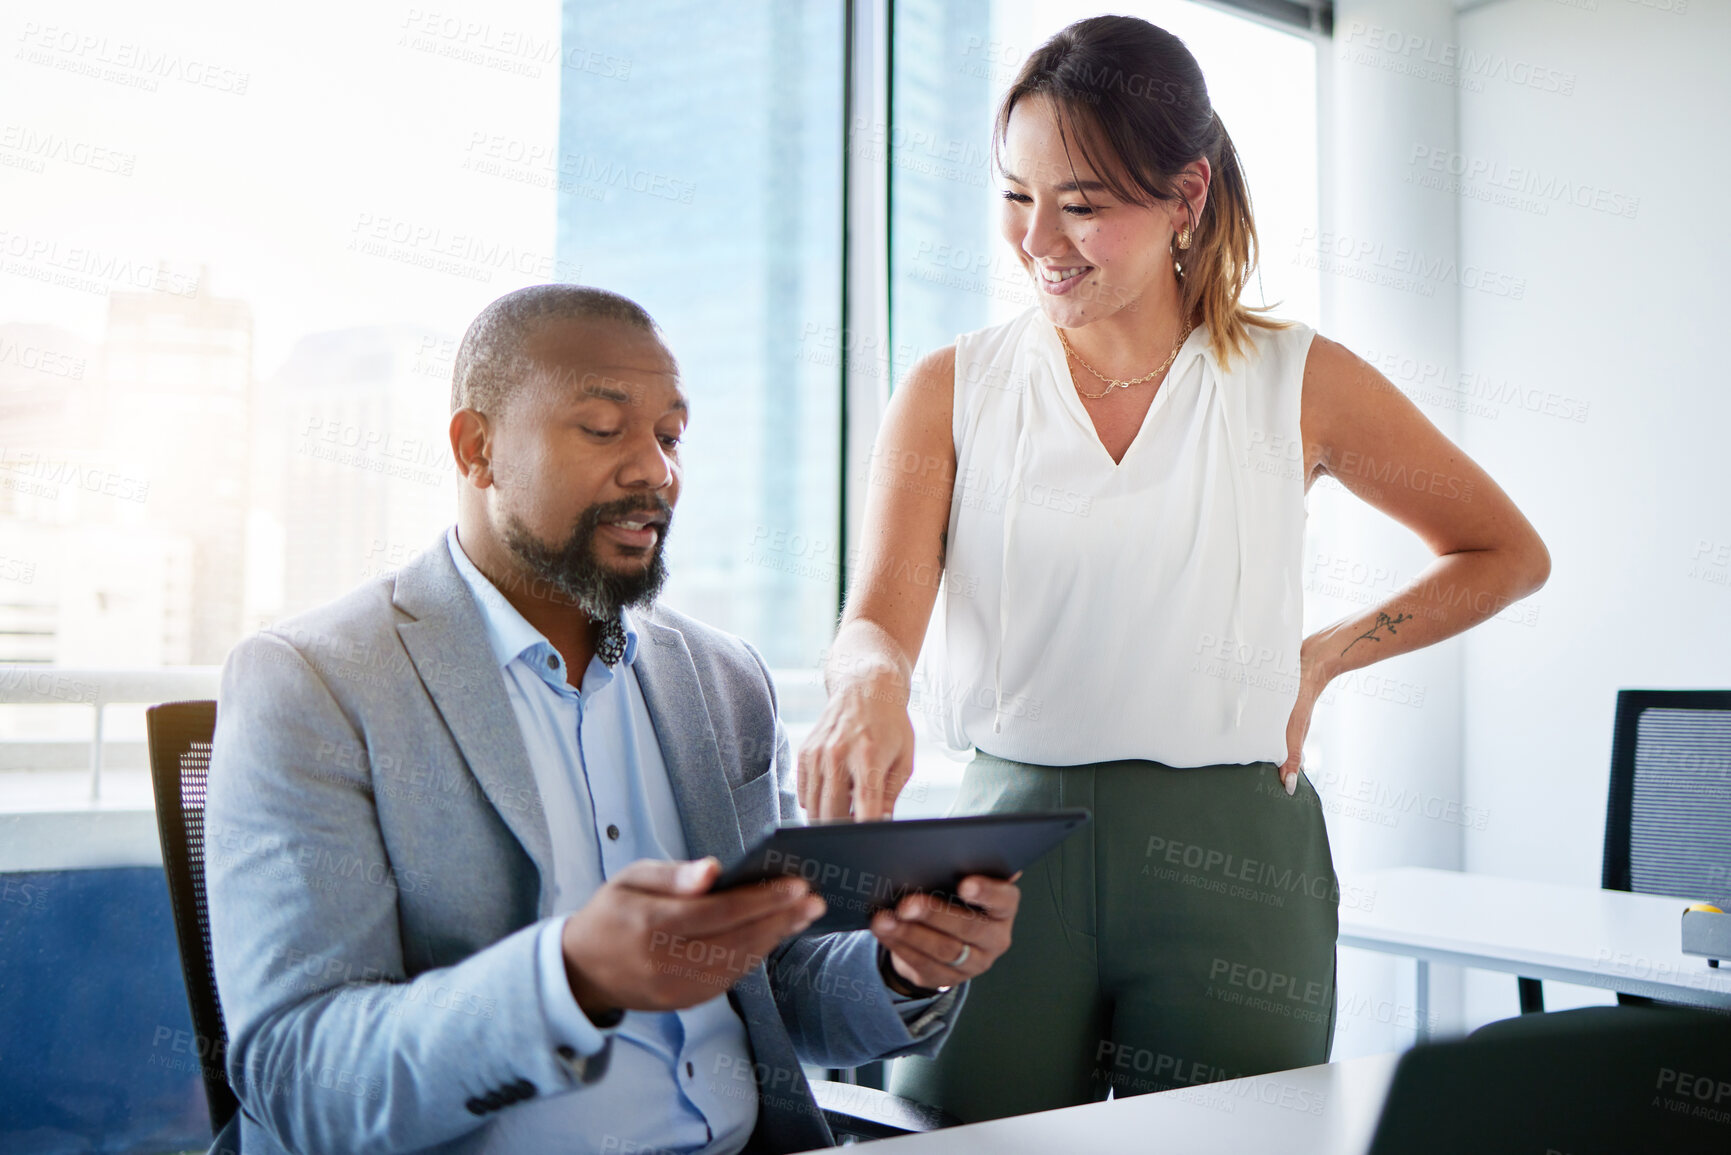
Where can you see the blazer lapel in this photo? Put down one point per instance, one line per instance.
(447, 641)
(674, 698)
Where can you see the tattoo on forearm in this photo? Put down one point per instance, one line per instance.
(1382, 621)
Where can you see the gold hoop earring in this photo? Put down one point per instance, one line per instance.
(1184, 238)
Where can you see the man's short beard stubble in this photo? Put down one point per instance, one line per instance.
(573, 570)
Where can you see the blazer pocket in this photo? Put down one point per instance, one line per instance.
(756, 806)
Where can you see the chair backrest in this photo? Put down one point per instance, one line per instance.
(1590, 1081)
(1668, 813)
(180, 735)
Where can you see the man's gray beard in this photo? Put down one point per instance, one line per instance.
(573, 571)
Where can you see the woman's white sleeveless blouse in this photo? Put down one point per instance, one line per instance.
(1153, 608)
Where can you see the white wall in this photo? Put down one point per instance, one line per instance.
(1568, 157)
(1626, 315)
(1383, 762)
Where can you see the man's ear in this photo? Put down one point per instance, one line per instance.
(472, 446)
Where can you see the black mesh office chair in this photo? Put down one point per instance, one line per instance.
(1668, 811)
(180, 736)
(1591, 1081)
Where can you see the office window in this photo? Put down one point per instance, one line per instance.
(235, 258)
(715, 201)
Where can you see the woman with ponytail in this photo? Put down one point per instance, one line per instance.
(1119, 474)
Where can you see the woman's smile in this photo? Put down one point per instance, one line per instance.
(1060, 279)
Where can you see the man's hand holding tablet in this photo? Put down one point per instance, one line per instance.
(935, 942)
(939, 894)
(656, 937)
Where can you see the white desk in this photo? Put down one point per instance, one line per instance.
(1326, 1110)
(1537, 930)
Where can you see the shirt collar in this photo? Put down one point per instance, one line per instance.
(509, 633)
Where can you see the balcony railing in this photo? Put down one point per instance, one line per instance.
(800, 691)
(97, 690)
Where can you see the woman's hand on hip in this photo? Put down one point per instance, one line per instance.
(1313, 680)
(859, 755)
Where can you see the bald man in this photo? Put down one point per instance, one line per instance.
(463, 822)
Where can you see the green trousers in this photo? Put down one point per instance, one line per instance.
(1186, 935)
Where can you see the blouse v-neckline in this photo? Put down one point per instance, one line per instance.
(1066, 385)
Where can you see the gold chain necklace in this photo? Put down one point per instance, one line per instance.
(1113, 382)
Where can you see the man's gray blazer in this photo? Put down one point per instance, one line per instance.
(378, 863)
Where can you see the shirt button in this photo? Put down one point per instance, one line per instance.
(552, 661)
(690, 1071)
(613, 833)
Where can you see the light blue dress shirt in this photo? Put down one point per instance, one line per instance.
(608, 802)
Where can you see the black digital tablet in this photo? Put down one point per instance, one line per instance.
(861, 868)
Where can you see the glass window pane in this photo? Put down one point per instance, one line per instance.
(710, 192)
(235, 257)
